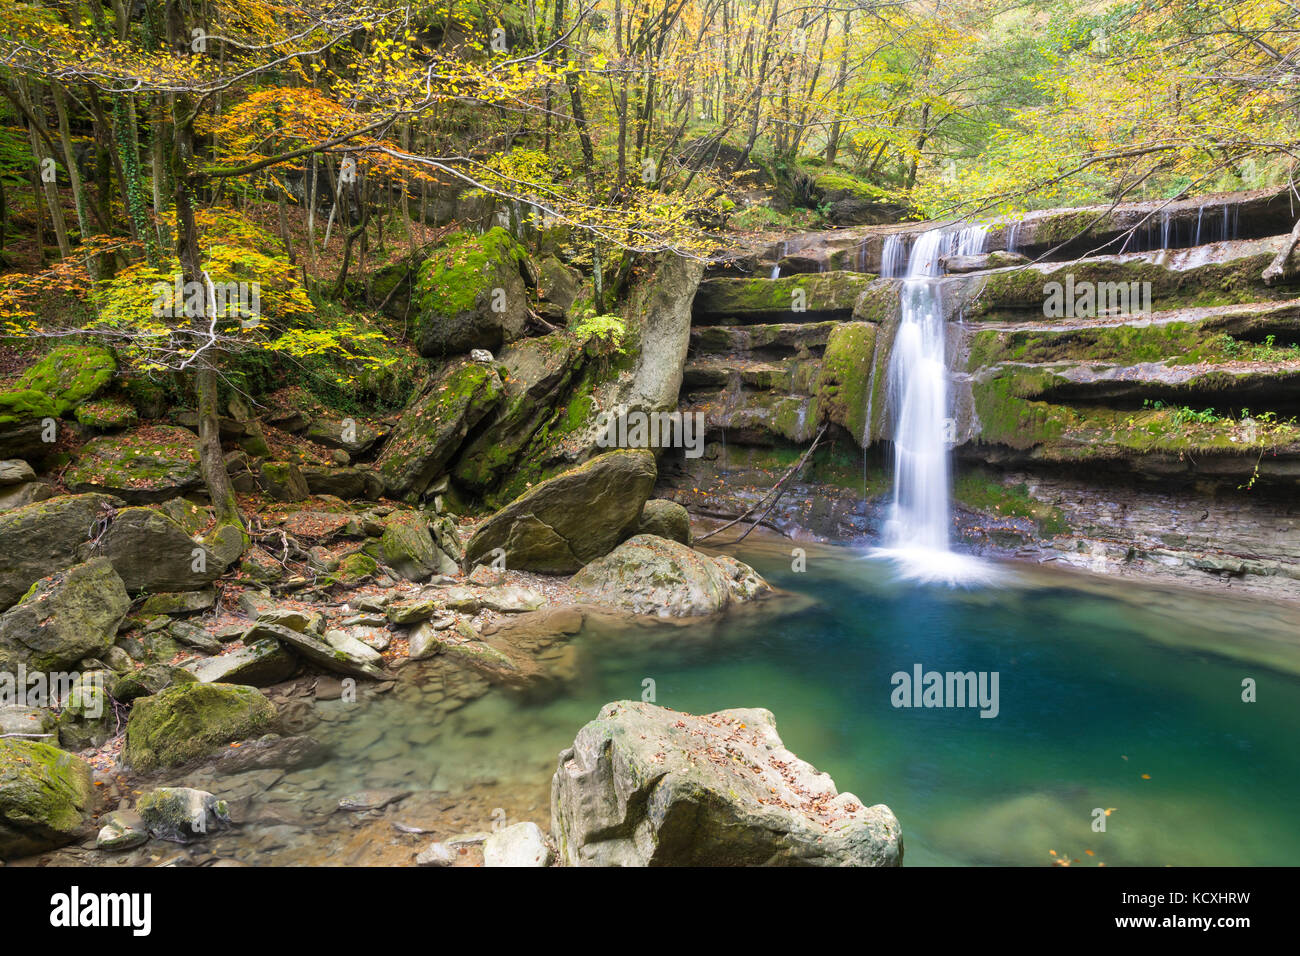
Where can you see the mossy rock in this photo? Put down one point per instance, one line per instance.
(754, 300)
(71, 374)
(844, 385)
(190, 720)
(409, 549)
(356, 568)
(107, 414)
(45, 794)
(142, 467)
(434, 428)
(23, 413)
(665, 519)
(65, 617)
(470, 294)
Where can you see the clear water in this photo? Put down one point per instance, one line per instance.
(1101, 683)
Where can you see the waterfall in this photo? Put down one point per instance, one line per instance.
(891, 258)
(918, 528)
(1013, 237)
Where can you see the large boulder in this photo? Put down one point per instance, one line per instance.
(537, 372)
(470, 294)
(151, 552)
(434, 427)
(190, 720)
(409, 549)
(571, 519)
(45, 537)
(648, 574)
(141, 467)
(665, 518)
(70, 374)
(45, 794)
(258, 664)
(647, 786)
(65, 617)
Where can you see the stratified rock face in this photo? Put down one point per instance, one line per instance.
(45, 537)
(470, 294)
(651, 575)
(44, 796)
(647, 786)
(187, 721)
(141, 467)
(434, 427)
(571, 519)
(65, 617)
(151, 552)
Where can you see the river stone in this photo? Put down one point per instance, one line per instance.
(65, 617)
(435, 425)
(45, 537)
(425, 640)
(141, 467)
(512, 600)
(520, 845)
(45, 794)
(187, 721)
(355, 649)
(317, 651)
(272, 752)
(182, 814)
(153, 553)
(648, 786)
(567, 521)
(122, 830)
(408, 548)
(259, 664)
(651, 575)
(665, 518)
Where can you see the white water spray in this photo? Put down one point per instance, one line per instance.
(917, 532)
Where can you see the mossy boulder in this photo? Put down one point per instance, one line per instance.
(107, 415)
(45, 794)
(434, 428)
(258, 664)
(23, 413)
(190, 720)
(67, 616)
(470, 294)
(283, 481)
(144, 466)
(665, 518)
(536, 371)
(71, 374)
(844, 384)
(182, 814)
(355, 568)
(571, 519)
(151, 552)
(651, 575)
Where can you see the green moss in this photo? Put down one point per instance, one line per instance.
(356, 568)
(106, 414)
(25, 404)
(44, 793)
(453, 277)
(980, 491)
(844, 385)
(816, 292)
(70, 374)
(187, 721)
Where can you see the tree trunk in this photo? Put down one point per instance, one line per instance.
(1277, 270)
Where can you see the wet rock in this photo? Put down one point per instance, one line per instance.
(45, 795)
(569, 520)
(647, 786)
(437, 854)
(425, 641)
(523, 844)
(122, 830)
(372, 800)
(651, 575)
(190, 720)
(65, 617)
(182, 814)
(317, 651)
(272, 752)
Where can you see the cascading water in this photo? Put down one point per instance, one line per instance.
(917, 531)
